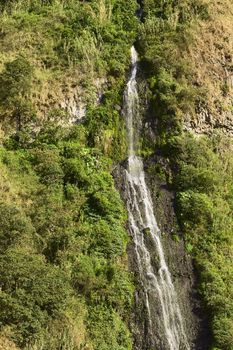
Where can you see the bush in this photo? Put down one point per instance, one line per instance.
(195, 209)
(15, 228)
(31, 292)
(48, 166)
(107, 329)
(15, 87)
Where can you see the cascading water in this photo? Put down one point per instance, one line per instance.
(156, 282)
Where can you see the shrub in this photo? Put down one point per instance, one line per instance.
(15, 228)
(31, 292)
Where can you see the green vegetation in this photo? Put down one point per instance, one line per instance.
(64, 280)
(201, 167)
(53, 50)
(62, 246)
(164, 37)
(203, 183)
(72, 46)
(15, 84)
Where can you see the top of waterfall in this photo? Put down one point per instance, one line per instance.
(134, 55)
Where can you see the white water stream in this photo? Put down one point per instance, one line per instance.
(142, 222)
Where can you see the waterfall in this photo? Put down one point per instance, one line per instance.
(156, 282)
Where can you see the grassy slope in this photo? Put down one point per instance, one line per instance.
(211, 54)
(62, 232)
(74, 47)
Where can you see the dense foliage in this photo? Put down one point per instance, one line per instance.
(164, 38)
(69, 45)
(203, 182)
(62, 246)
(201, 167)
(64, 282)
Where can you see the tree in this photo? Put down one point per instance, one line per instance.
(15, 88)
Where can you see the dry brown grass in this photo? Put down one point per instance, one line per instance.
(212, 51)
(212, 57)
(6, 344)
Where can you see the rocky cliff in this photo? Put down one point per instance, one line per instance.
(211, 55)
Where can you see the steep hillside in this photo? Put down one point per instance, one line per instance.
(186, 50)
(64, 277)
(64, 280)
(75, 49)
(211, 53)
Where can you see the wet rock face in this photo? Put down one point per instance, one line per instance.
(180, 266)
(179, 261)
(139, 322)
